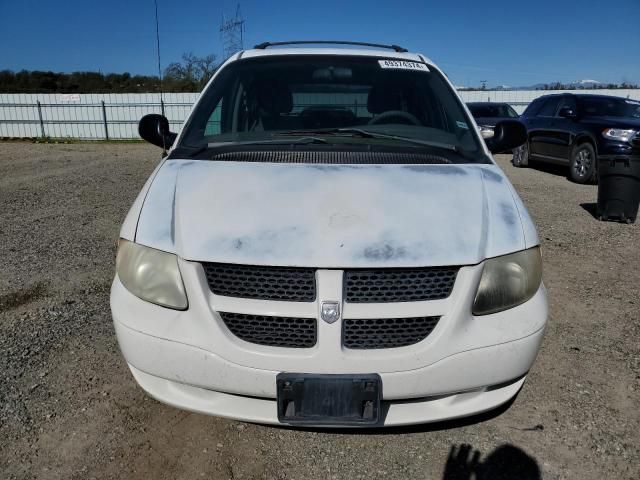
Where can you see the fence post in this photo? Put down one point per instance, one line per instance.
(40, 118)
(104, 120)
(162, 107)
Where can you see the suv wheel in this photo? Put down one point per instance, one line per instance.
(521, 156)
(582, 167)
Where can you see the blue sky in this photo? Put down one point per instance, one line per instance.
(504, 42)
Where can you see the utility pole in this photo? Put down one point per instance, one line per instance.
(231, 34)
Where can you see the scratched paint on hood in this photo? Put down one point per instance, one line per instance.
(331, 216)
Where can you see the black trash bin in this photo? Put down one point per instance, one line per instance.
(619, 189)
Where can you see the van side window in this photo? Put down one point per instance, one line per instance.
(213, 122)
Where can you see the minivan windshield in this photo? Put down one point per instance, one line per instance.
(359, 101)
(608, 107)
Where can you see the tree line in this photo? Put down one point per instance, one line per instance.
(556, 86)
(593, 86)
(188, 75)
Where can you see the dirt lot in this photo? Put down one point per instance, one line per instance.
(70, 409)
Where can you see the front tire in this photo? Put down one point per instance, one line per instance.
(521, 156)
(583, 164)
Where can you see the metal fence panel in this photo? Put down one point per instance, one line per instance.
(82, 116)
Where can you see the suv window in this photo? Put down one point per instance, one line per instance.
(550, 107)
(258, 99)
(533, 107)
(569, 102)
(609, 107)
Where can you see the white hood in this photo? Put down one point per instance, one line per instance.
(333, 216)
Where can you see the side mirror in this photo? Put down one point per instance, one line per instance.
(567, 112)
(154, 129)
(507, 135)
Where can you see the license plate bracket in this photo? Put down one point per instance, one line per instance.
(326, 399)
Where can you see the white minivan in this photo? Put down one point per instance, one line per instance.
(329, 242)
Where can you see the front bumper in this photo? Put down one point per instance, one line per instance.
(611, 149)
(264, 410)
(467, 365)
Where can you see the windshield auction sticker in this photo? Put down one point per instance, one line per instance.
(403, 65)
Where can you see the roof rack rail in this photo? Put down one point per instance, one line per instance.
(262, 46)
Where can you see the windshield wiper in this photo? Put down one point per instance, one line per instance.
(358, 132)
(300, 141)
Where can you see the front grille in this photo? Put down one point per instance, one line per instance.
(264, 283)
(272, 331)
(398, 284)
(386, 332)
(636, 139)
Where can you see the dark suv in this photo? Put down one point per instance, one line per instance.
(580, 130)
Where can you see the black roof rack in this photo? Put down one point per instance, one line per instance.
(262, 46)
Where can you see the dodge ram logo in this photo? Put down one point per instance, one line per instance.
(330, 312)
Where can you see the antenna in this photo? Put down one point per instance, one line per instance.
(158, 52)
(164, 148)
(231, 34)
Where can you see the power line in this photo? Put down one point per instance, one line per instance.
(231, 34)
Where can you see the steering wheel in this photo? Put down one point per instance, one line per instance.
(394, 114)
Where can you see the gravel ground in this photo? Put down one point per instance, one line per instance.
(70, 409)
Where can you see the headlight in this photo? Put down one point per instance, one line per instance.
(150, 274)
(508, 281)
(486, 131)
(618, 134)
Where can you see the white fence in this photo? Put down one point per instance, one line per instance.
(93, 116)
(115, 116)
